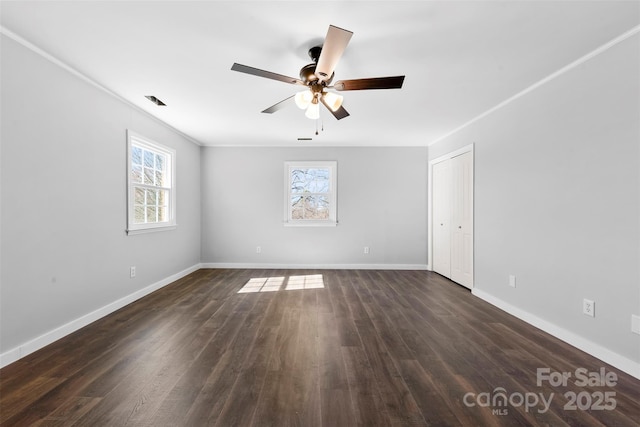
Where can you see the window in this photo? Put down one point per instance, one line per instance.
(310, 193)
(151, 185)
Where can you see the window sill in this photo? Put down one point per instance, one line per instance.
(310, 223)
(150, 229)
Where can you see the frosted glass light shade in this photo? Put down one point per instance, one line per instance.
(303, 99)
(333, 100)
(313, 111)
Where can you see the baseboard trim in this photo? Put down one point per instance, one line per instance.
(614, 359)
(45, 339)
(275, 266)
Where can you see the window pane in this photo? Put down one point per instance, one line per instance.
(318, 180)
(322, 210)
(138, 214)
(151, 197)
(298, 180)
(160, 162)
(297, 213)
(151, 214)
(162, 211)
(316, 207)
(136, 174)
(148, 159)
(136, 155)
(148, 176)
(297, 207)
(138, 197)
(163, 198)
(159, 178)
(310, 207)
(314, 180)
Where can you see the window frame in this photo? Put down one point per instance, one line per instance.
(134, 139)
(332, 221)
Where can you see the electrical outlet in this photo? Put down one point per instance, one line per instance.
(512, 280)
(635, 324)
(258, 249)
(589, 307)
(366, 250)
(132, 271)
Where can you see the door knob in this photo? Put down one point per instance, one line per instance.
(459, 226)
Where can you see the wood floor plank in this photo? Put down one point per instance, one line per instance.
(369, 409)
(426, 394)
(399, 403)
(290, 393)
(204, 389)
(358, 348)
(70, 412)
(243, 399)
(21, 400)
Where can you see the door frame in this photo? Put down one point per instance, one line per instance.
(448, 156)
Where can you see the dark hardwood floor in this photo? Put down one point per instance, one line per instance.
(370, 348)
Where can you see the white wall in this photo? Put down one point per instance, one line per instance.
(381, 204)
(64, 248)
(557, 202)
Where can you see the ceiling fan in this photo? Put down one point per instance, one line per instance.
(317, 77)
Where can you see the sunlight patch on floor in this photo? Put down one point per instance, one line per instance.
(311, 281)
(290, 283)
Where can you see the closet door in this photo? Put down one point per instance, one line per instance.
(462, 219)
(441, 202)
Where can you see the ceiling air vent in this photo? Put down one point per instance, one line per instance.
(155, 100)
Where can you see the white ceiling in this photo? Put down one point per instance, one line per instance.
(460, 59)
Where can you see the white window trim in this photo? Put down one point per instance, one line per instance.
(333, 173)
(132, 228)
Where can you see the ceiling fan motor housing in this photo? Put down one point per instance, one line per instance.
(314, 53)
(307, 73)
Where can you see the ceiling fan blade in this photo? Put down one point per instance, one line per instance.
(394, 82)
(334, 45)
(280, 105)
(266, 74)
(340, 113)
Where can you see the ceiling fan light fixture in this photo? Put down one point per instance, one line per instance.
(313, 111)
(303, 99)
(318, 76)
(332, 100)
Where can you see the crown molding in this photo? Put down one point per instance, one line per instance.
(46, 55)
(550, 77)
